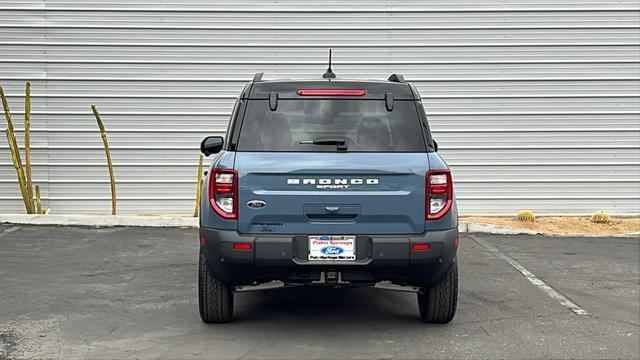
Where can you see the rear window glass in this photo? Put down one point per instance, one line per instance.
(363, 125)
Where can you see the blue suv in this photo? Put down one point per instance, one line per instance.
(328, 183)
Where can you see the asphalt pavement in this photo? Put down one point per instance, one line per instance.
(104, 293)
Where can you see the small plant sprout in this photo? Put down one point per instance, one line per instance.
(38, 201)
(525, 215)
(600, 217)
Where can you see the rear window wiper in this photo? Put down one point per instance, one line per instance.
(341, 144)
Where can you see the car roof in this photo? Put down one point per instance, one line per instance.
(288, 89)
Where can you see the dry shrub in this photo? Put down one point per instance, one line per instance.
(525, 215)
(600, 217)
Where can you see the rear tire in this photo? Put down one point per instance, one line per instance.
(437, 304)
(215, 297)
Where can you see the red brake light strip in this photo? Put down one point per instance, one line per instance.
(331, 92)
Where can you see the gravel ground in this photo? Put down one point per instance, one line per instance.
(566, 225)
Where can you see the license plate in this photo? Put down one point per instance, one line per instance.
(332, 248)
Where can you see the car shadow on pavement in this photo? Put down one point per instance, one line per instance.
(326, 305)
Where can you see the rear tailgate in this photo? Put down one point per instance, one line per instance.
(331, 193)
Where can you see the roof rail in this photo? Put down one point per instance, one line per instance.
(396, 78)
(257, 77)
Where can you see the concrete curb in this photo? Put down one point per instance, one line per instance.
(633, 234)
(100, 220)
(473, 227)
(191, 222)
(184, 221)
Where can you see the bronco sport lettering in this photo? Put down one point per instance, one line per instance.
(333, 183)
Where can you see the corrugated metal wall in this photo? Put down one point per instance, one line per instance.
(534, 104)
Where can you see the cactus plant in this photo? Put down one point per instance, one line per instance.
(525, 215)
(15, 155)
(103, 134)
(15, 158)
(196, 212)
(27, 143)
(600, 217)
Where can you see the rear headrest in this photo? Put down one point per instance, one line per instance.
(278, 126)
(372, 130)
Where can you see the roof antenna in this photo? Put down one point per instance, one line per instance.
(329, 74)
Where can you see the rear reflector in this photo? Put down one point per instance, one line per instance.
(420, 247)
(331, 92)
(242, 246)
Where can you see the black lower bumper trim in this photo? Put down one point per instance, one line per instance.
(284, 257)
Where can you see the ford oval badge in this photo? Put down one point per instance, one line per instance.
(332, 250)
(256, 204)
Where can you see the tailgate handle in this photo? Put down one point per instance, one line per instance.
(332, 217)
(331, 212)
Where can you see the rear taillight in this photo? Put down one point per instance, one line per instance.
(223, 192)
(439, 194)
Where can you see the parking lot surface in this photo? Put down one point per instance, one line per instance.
(72, 292)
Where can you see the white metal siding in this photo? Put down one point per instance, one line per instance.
(534, 105)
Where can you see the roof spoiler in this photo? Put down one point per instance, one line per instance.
(396, 78)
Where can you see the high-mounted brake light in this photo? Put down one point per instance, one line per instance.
(331, 92)
(223, 192)
(439, 194)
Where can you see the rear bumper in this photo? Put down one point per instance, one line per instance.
(284, 257)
